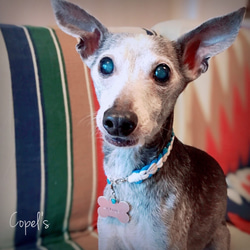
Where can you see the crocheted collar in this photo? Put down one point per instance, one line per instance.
(120, 209)
(138, 176)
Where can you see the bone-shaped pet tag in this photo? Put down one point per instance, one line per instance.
(118, 210)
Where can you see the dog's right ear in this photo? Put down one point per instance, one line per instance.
(207, 40)
(78, 23)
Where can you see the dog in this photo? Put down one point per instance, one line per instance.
(161, 194)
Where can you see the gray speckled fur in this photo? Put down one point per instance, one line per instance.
(183, 205)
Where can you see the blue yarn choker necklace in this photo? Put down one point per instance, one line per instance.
(138, 176)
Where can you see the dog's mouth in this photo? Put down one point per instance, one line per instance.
(121, 142)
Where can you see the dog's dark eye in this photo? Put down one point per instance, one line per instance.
(106, 66)
(162, 73)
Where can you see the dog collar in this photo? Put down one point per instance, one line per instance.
(138, 176)
(120, 209)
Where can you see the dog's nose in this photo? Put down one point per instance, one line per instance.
(119, 123)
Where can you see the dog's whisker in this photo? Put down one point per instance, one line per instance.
(85, 119)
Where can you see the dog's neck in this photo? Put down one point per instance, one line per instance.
(159, 141)
(120, 162)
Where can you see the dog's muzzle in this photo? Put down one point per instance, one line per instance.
(119, 125)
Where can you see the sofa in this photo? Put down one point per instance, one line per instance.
(51, 151)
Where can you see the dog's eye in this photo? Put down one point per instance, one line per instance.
(106, 66)
(162, 73)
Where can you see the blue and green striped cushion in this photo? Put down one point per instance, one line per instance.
(49, 151)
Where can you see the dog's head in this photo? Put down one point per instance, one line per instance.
(138, 77)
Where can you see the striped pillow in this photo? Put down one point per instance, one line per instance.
(51, 159)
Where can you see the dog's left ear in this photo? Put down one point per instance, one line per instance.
(207, 40)
(78, 23)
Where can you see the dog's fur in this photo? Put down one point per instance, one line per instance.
(183, 205)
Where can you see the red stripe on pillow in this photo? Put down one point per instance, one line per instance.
(239, 222)
(100, 172)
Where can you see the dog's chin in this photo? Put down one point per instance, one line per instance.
(121, 142)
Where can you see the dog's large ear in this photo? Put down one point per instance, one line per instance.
(207, 40)
(78, 23)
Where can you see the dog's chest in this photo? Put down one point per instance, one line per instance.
(140, 236)
(147, 225)
(141, 232)
(150, 204)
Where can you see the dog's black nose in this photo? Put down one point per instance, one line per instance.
(119, 123)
